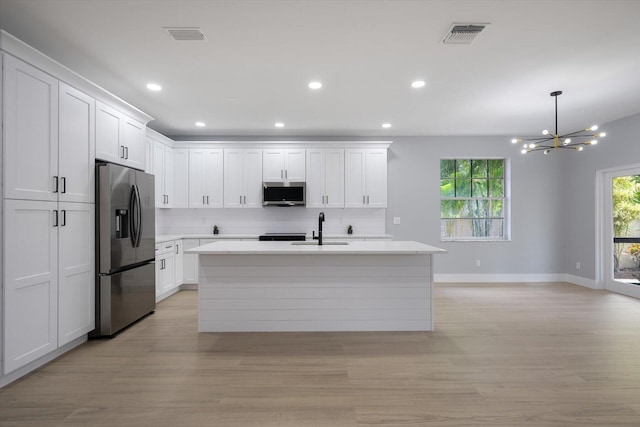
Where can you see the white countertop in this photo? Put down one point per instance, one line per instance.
(286, 248)
(167, 237)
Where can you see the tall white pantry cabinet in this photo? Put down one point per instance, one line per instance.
(48, 153)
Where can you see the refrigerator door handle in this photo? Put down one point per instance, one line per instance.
(132, 217)
(139, 217)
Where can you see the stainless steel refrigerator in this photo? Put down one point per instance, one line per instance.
(125, 237)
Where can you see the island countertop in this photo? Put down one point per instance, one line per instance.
(290, 248)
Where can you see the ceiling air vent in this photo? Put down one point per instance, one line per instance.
(188, 34)
(463, 33)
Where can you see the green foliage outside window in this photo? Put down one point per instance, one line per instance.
(472, 198)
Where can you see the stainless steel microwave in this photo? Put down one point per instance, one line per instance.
(283, 194)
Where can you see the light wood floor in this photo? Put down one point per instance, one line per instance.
(501, 355)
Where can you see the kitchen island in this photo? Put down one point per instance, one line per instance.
(300, 286)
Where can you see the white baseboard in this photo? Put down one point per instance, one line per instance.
(518, 278)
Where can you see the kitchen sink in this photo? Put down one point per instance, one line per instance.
(305, 243)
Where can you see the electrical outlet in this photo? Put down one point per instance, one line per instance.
(396, 220)
(577, 265)
(477, 263)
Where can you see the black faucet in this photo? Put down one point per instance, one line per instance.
(320, 221)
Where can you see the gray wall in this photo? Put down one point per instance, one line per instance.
(621, 147)
(537, 244)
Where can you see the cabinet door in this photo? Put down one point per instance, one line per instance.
(168, 176)
(30, 282)
(190, 261)
(295, 165)
(334, 178)
(167, 268)
(315, 178)
(376, 178)
(180, 187)
(30, 124)
(354, 179)
(158, 171)
(197, 198)
(253, 178)
(108, 134)
(148, 154)
(77, 145)
(178, 263)
(213, 176)
(233, 178)
(76, 278)
(273, 165)
(133, 140)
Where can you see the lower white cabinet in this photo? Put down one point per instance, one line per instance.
(48, 278)
(165, 269)
(178, 263)
(189, 262)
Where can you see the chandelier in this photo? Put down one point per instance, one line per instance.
(570, 141)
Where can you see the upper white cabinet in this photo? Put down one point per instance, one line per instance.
(242, 178)
(49, 128)
(366, 178)
(283, 165)
(180, 178)
(30, 108)
(119, 138)
(163, 171)
(325, 178)
(206, 178)
(76, 145)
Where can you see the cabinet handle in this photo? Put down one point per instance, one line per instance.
(286, 174)
(55, 218)
(240, 199)
(122, 155)
(64, 184)
(245, 200)
(127, 151)
(55, 184)
(281, 173)
(64, 218)
(203, 200)
(323, 199)
(177, 249)
(327, 199)
(363, 200)
(207, 199)
(367, 199)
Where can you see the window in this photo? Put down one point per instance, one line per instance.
(473, 199)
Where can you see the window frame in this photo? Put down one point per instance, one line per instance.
(506, 200)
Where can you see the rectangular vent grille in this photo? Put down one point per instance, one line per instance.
(186, 34)
(463, 33)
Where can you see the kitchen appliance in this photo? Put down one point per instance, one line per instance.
(282, 237)
(125, 247)
(283, 193)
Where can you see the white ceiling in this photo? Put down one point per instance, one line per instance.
(254, 68)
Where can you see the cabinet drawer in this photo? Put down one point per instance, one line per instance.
(166, 247)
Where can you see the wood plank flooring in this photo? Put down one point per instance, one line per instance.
(501, 355)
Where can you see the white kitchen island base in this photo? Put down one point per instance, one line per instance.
(274, 286)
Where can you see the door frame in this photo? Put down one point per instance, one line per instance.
(604, 229)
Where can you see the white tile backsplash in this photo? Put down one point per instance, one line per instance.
(271, 219)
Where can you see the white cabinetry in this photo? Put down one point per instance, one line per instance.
(366, 178)
(206, 178)
(76, 271)
(119, 138)
(286, 165)
(179, 263)
(243, 178)
(49, 277)
(325, 178)
(31, 132)
(163, 171)
(180, 186)
(190, 262)
(165, 270)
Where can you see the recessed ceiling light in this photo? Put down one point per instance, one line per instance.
(154, 87)
(386, 125)
(279, 125)
(200, 124)
(315, 85)
(418, 84)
